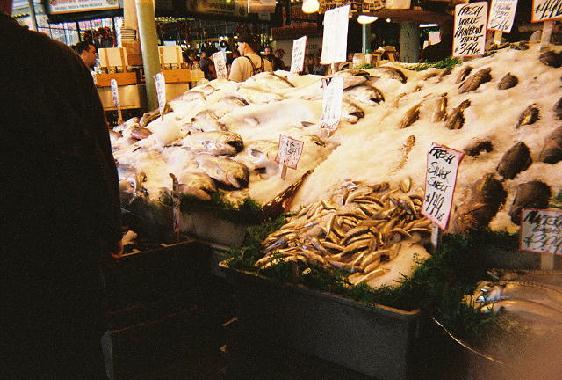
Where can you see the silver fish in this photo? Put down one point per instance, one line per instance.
(205, 121)
(224, 170)
(217, 143)
(391, 73)
(198, 184)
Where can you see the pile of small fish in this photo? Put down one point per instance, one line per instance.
(357, 229)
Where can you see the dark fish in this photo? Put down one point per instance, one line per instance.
(282, 202)
(456, 119)
(533, 194)
(465, 71)
(392, 73)
(515, 160)
(551, 153)
(411, 116)
(529, 116)
(551, 59)
(508, 81)
(478, 146)
(487, 195)
(474, 81)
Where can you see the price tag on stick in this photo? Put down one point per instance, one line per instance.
(289, 153)
(116, 100)
(219, 59)
(469, 34)
(440, 181)
(299, 50)
(332, 100)
(160, 84)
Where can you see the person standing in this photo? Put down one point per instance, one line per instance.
(88, 52)
(60, 218)
(249, 63)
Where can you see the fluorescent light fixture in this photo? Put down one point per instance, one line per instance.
(427, 25)
(366, 20)
(310, 6)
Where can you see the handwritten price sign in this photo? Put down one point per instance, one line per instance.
(219, 59)
(115, 93)
(299, 49)
(290, 151)
(331, 103)
(469, 37)
(544, 10)
(541, 231)
(160, 84)
(441, 177)
(502, 14)
(334, 40)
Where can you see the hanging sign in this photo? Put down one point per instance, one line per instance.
(440, 180)
(331, 103)
(469, 35)
(219, 59)
(546, 10)
(160, 84)
(289, 153)
(541, 231)
(334, 39)
(502, 14)
(116, 100)
(299, 50)
(71, 6)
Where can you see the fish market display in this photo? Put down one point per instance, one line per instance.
(359, 229)
(220, 138)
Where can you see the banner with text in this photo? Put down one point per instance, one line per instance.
(299, 50)
(440, 179)
(334, 39)
(469, 36)
(332, 99)
(544, 10)
(71, 6)
(502, 14)
(541, 231)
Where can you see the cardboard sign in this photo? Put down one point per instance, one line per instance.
(541, 231)
(290, 151)
(469, 36)
(299, 50)
(219, 59)
(334, 39)
(546, 10)
(160, 91)
(115, 93)
(331, 103)
(440, 180)
(502, 14)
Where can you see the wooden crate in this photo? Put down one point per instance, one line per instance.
(177, 75)
(104, 80)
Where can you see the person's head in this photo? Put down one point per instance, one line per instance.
(247, 43)
(267, 50)
(88, 52)
(203, 54)
(280, 53)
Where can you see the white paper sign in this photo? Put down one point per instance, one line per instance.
(546, 10)
(331, 102)
(115, 93)
(334, 39)
(290, 151)
(299, 50)
(541, 231)
(469, 37)
(160, 84)
(219, 59)
(502, 14)
(440, 180)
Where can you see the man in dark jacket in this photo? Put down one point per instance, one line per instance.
(60, 215)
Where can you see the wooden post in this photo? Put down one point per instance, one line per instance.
(546, 33)
(497, 37)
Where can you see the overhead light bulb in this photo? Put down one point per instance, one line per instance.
(310, 6)
(388, 20)
(366, 20)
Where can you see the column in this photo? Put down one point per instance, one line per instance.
(409, 42)
(149, 48)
